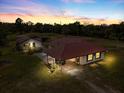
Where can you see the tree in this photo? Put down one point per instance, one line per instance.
(29, 26)
(114, 31)
(18, 21)
(29, 23)
(19, 25)
(57, 28)
(38, 27)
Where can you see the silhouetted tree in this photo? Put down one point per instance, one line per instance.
(39, 27)
(19, 25)
(113, 31)
(29, 23)
(29, 26)
(57, 28)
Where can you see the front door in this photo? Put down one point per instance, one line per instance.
(77, 60)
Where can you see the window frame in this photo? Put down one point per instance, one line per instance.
(88, 57)
(99, 55)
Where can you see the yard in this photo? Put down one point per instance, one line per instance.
(28, 74)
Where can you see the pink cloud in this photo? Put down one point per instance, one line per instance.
(96, 21)
(31, 8)
(57, 19)
(16, 1)
(79, 1)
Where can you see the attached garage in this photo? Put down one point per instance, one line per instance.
(71, 60)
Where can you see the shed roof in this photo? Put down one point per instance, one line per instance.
(22, 38)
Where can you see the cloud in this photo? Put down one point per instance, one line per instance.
(70, 12)
(85, 20)
(29, 7)
(42, 19)
(29, 10)
(118, 1)
(79, 1)
(89, 1)
(15, 0)
(57, 19)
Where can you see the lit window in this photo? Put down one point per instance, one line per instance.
(30, 44)
(90, 57)
(98, 55)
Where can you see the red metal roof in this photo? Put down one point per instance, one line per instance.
(70, 47)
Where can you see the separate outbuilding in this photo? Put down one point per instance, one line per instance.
(27, 43)
(74, 49)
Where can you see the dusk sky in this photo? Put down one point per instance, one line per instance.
(63, 11)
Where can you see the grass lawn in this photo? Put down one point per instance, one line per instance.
(21, 66)
(110, 71)
(27, 74)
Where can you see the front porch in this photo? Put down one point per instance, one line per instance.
(72, 68)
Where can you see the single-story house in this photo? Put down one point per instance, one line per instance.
(28, 43)
(73, 49)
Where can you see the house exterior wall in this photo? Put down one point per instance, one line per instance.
(102, 55)
(84, 59)
(47, 59)
(38, 45)
(43, 56)
(50, 60)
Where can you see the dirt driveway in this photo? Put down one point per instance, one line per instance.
(84, 74)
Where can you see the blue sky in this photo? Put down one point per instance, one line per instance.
(92, 9)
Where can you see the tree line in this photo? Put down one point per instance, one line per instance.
(113, 31)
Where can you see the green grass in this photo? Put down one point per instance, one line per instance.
(27, 74)
(22, 65)
(110, 71)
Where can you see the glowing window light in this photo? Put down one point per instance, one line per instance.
(31, 44)
(90, 57)
(98, 55)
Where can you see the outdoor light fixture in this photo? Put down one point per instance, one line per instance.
(31, 44)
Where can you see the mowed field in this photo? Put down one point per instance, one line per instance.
(28, 74)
